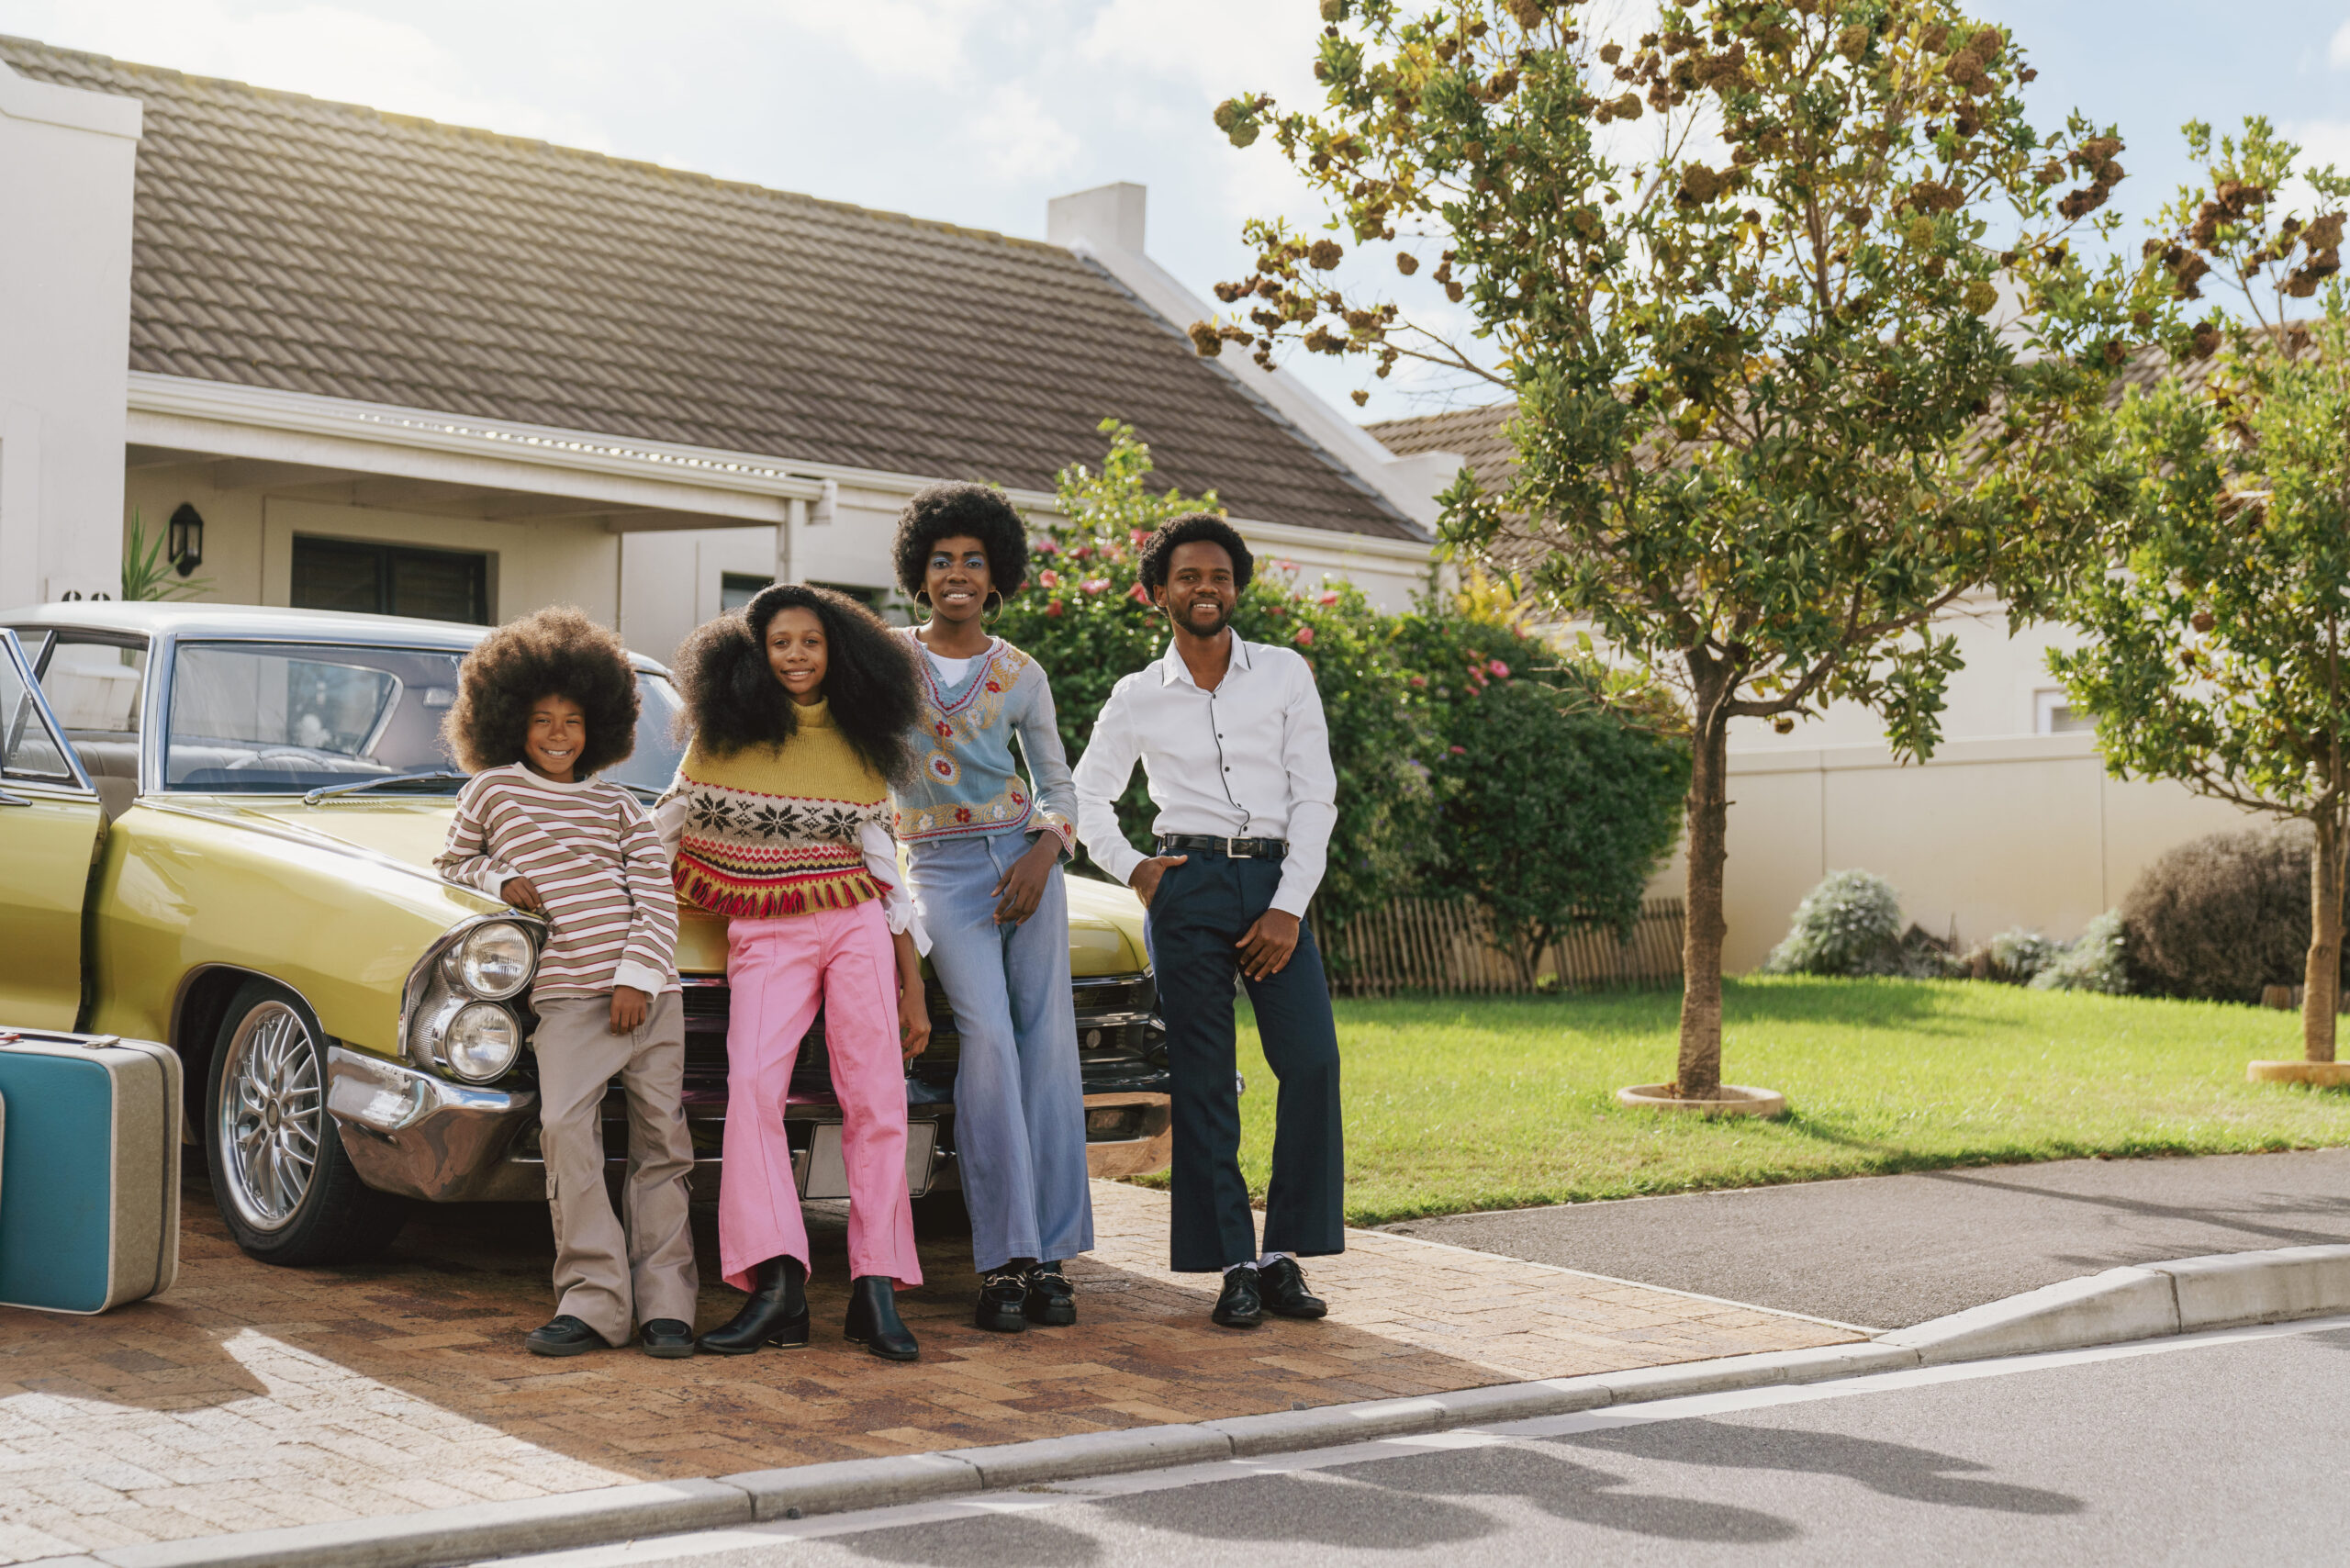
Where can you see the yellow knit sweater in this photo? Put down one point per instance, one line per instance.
(773, 830)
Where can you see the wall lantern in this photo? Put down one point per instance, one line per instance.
(184, 543)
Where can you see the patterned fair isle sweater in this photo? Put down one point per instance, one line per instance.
(775, 831)
(597, 862)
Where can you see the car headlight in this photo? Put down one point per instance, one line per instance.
(493, 960)
(481, 1042)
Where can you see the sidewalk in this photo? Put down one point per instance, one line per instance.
(1891, 1251)
(249, 1397)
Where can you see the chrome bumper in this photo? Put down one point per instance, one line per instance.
(421, 1137)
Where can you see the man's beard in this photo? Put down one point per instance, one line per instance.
(1223, 618)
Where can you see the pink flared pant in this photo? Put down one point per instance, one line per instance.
(777, 971)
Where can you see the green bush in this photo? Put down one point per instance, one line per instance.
(2099, 961)
(2015, 956)
(2219, 917)
(1849, 924)
(1558, 785)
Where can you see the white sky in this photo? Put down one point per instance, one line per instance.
(979, 111)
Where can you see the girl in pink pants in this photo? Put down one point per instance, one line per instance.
(802, 703)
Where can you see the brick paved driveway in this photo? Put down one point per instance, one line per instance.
(249, 1397)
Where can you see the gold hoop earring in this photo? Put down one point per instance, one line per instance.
(987, 616)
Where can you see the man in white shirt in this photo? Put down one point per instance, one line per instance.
(1236, 755)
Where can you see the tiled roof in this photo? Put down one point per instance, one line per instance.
(283, 242)
(1475, 434)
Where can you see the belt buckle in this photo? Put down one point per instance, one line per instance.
(1232, 850)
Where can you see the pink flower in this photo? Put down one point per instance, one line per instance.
(1140, 595)
(1078, 552)
(1053, 608)
(1273, 609)
(1048, 578)
(1419, 680)
(1094, 585)
(1045, 547)
(1499, 670)
(1305, 638)
(1138, 537)
(1457, 750)
(1330, 597)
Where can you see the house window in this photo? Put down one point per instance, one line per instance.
(2051, 715)
(390, 579)
(736, 589)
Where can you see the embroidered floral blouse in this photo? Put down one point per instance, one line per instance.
(966, 781)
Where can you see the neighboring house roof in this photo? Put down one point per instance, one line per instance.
(284, 241)
(1476, 435)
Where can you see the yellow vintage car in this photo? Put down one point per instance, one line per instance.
(217, 830)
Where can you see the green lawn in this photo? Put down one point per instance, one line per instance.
(1459, 1103)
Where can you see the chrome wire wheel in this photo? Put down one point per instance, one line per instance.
(271, 1116)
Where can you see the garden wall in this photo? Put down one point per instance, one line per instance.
(2026, 830)
(1446, 945)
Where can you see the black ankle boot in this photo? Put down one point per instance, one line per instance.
(873, 1319)
(777, 1313)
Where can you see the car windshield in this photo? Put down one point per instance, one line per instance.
(276, 717)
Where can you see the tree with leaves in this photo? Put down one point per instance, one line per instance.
(1739, 274)
(2215, 653)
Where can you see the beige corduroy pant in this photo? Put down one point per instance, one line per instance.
(608, 1277)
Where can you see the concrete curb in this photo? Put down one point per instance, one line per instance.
(2184, 1296)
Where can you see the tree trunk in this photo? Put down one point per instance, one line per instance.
(2322, 982)
(1700, 1070)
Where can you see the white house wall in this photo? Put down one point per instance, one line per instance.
(67, 158)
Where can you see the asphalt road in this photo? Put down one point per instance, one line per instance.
(1889, 1251)
(2226, 1450)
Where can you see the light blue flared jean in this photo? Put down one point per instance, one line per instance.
(1019, 1097)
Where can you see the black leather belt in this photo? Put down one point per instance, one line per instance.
(1238, 849)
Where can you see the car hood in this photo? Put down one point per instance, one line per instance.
(1104, 920)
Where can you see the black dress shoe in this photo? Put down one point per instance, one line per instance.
(1051, 1299)
(873, 1319)
(777, 1313)
(667, 1337)
(1282, 1285)
(1240, 1306)
(1002, 1293)
(563, 1336)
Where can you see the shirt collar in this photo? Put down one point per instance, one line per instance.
(1171, 668)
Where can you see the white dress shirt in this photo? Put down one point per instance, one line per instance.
(1250, 759)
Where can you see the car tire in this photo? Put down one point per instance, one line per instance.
(286, 1189)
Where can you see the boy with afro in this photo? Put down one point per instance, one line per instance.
(544, 704)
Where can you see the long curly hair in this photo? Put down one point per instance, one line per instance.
(1194, 528)
(942, 511)
(733, 700)
(556, 652)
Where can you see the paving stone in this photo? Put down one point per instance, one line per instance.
(249, 1397)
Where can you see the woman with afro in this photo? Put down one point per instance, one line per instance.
(985, 837)
(799, 704)
(544, 704)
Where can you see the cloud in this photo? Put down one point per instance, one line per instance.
(2337, 53)
(1217, 47)
(1019, 137)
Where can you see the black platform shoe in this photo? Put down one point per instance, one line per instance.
(669, 1339)
(1051, 1300)
(563, 1336)
(777, 1313)
(1281, 1283)
(873, 1319)
(1002, 1292)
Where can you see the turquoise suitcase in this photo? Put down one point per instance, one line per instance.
(89, 1170)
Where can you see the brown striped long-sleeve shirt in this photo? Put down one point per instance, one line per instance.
(593, 855)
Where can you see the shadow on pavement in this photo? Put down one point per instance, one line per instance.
(1000, 1540)
(1286, 1509)
(1895, 1470)
(1566, 1490)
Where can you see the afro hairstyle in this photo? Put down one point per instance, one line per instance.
(733, 700)
(1194, 528)
(556, 652)
(942, 511)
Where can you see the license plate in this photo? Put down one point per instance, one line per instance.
(824, 1171)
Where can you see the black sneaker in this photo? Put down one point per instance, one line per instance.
(1002, 1293)
(563, 1336)
(1282, 1285)
(1051, 1299)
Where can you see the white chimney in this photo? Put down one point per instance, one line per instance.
(1105, 217)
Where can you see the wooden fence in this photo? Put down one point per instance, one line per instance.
(1447, 945)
